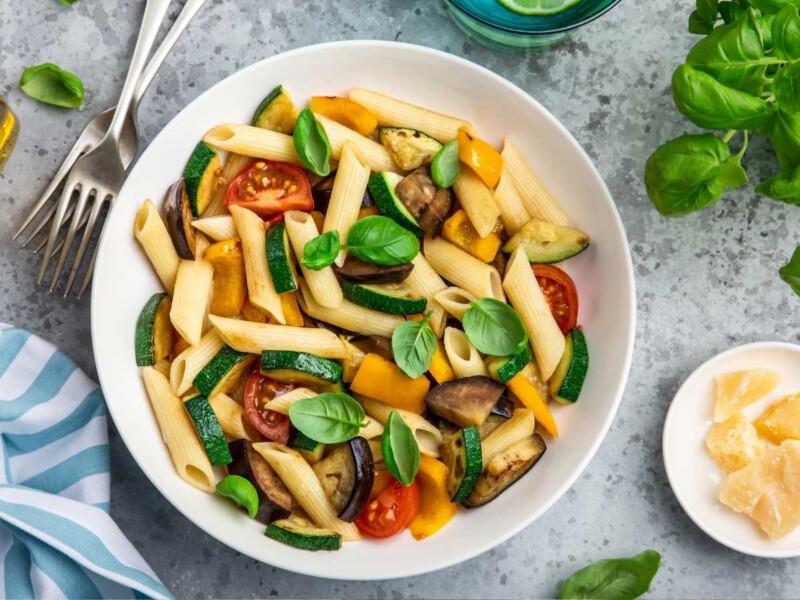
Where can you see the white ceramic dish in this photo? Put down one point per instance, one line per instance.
(123, 281)
(694, 477)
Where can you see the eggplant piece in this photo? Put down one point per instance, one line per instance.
(322, 194)
(274, 500)
(374, 344)
(313, 323)
(359, 271)
(427, 203)
(466, 401)
(505, 469)
(347, 475)
(503, 408)
(446, 428)
(179, 217)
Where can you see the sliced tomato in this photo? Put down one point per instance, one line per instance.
(258, 391)
(390, 511)
(270, 188)
(561, 295)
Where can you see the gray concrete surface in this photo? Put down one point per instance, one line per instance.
(705, 283)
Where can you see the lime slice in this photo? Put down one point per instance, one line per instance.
(538, 7)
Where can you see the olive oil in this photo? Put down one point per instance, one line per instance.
(9, 130)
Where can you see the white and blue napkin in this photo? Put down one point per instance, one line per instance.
(57, 539)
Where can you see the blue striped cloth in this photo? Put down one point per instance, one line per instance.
(57, 539)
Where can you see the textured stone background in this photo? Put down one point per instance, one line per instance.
(705, 283)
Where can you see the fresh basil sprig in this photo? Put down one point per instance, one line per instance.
(321, 251)
(494, 328)
(240, 491)
(446, 167)
(613, 578)
(413, 346)
(311, 144)
(51, 84)
(790, 272)
(329, 418)
(400, 449)
(381, 241)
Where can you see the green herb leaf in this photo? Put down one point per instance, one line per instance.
(321, 251)
(783, 130)
(413, 346)
(769, 6)
(51, 84)
(68, 2)
(708, 9)
(240, 491)
(311, 143)
(790, 272)
(400, 449)
(381, 241)
(730, 11)
(613, 578)
(446, 167)
(328, 418)
(494, 328)
(786, 33)
(698, 25)
(783, 186)
(787, 88)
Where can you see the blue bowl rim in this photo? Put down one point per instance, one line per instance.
(563, 29)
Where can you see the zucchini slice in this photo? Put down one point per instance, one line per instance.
(547, 243)
(409, 148)
(200, 176)
(208, 430)
(393, 299)
(153, 331)
(567, 380)
(381, 186)
(222, 373)
(299, 367)
(278, 259)
(503, 368)
(309, 449)
(462, 455)
(300, 533)
(276, 112)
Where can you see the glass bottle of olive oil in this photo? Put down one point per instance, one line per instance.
(9, 130)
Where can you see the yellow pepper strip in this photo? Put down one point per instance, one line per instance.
(481, 157)
(418, 318)
(435, 508)
(230, 283)
(459, 231)
(291, 310)
(383, 380)
(369, 211)
(345, 111)
(319, 219)
(440, 367)
(530, 397)
(252, 313)
(179, 345)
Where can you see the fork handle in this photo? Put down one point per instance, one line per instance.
(154, 14)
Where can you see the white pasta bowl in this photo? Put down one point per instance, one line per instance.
(124, 280)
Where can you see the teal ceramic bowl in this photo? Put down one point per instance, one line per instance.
(492, 24)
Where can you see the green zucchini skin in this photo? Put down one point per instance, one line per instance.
(145, 336)
(514, 364)
(286, 365)
(280, 266)
(381, 299)
(212, 376)
(276, 112)
(567, 381)
(304, 538)
(201, 160)
(409, 148)
(381, 187)
(463, 457)
(547, 243)
(208, 430)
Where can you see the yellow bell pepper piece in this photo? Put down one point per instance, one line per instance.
(319, 219)
(481, 157)
(345, 111)
(532, 399)
(230, 283)
(291, 310)
(383, 380)
(252, 313)
(440, 367)
(369, 211)
(459, 231)
(435, 508)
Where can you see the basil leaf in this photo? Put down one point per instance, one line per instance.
(51, 84)
(328, 418)
(783, 186)
(783, 130)
(400, 449)
(381, 241)
(311, 143)
(446, 167)
(240, 491)
(613, 578)
(698, 25)
(413, 346)
(494, 328)
(770, 6)
(786, 33)
(68, 2)
(787, 88)
(708, 9)
(730, 11)
(790, 272)
(321, 251)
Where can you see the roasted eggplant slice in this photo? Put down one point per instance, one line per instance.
(274, 500)
(466, 401)
(504, 408)
(374, 344)
(427, 203)
(505, 469)
(347, 475)
(179, 217)
(359, 271)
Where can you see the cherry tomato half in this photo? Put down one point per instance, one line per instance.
(390, 511)
(269, 188)
(258, 391)
(561, 295)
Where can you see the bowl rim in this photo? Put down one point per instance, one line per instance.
(508, 87)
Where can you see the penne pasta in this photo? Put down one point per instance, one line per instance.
(376, 156)
(477, 201)
(232, 418)
(163, 366)
(428, 437)
(192, 295)
(191, 361)
(235, 164)
(526, 297)
(398, 113)
(463, 356)
(178, 433)
(463, 269)
(513, 213)
(519, 427)
(534, 195)
(150, 231)
(218, 228)
(323, 284)
(455, 301)
(253, 142)
(426, 282)
(246, 336)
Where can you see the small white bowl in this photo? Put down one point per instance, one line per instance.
(694, 476)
